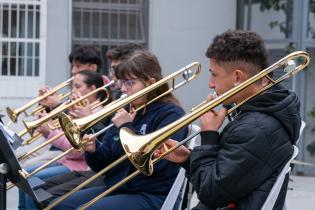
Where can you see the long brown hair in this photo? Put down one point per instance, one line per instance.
(144, 65)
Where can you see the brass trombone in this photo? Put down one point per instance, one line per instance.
(140, 153)
(31, 126)
(74, 129)
(14, 113)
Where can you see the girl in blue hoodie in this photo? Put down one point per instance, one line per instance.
(143, 192)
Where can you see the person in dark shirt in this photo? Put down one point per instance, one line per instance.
(143, 192)
(236, 168)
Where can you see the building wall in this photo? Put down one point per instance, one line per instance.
(58, 41)
(180, 32)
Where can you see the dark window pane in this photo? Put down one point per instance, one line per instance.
(30, 25)
(13, 22)
(86, 24)
(5, 24)
(105, 24)
(37, 49)
(132, 26)
(22, 24)
(12, 66)
(36, 67)
(4, 48)
(29, 49)
(21, 67)
(21, 49)
(76, 23)
(37, 24)
(13, 49)
(29, 66)
(114, 26)
(123, 26)
(4, 68)
(95, 25)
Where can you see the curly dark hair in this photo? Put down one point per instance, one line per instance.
(244, 48)
(123, 51)
(86, 55)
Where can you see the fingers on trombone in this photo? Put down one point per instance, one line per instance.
(43, 90)
(133, 112)
(164, 147)
(223, 112)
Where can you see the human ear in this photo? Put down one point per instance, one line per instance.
(93, 67)
(152, 80)
(238, 77)
(92, 87)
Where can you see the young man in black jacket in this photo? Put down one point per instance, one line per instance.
(236, 168)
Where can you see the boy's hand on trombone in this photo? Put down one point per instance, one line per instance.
(212, 120)
(122, 116)
(81, 110)
(180, 155)
(50, 101)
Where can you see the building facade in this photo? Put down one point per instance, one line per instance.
(36, 37)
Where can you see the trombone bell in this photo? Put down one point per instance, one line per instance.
(71, 130)
(12, 114)
(138, 149)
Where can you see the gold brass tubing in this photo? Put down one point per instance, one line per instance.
(14, 113)
(31, 126)
(40, 146)
(86, 182)
(32, 139)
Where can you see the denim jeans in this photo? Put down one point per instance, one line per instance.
(25, 201)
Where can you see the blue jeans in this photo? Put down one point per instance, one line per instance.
(135, 201)
(25, 201)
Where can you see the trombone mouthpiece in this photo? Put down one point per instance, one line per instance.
(123, 96)
(213, 95)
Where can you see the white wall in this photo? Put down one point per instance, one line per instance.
(180, 32)
(58, 41)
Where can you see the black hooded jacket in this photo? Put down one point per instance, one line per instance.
(241, 164)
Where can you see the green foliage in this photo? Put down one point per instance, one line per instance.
(286, 6)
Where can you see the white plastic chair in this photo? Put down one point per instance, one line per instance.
(273, 195)
(303, 125)
(180, 181)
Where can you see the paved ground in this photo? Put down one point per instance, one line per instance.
(301, 194)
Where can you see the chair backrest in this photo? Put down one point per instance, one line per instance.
(180, 181)
(303, 125)
(273, 195)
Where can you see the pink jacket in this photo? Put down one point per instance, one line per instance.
(75, 159)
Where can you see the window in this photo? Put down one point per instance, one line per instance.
(107, 23)
(19, 40)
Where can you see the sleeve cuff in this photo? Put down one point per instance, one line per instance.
(185, 164)
(209, 137)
